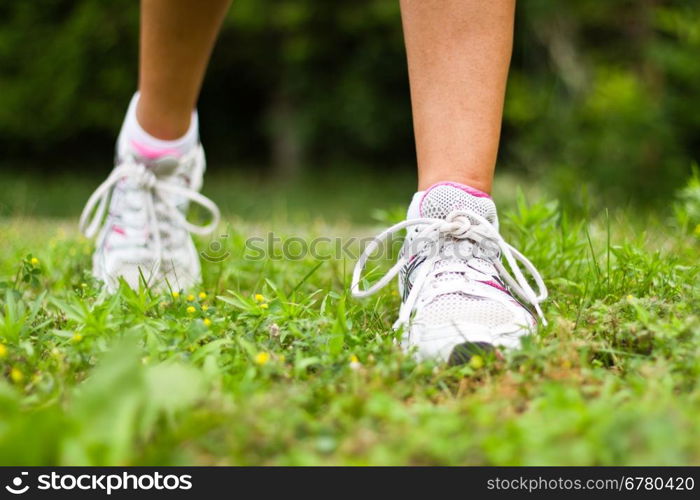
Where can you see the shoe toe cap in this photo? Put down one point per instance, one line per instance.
(438, 342)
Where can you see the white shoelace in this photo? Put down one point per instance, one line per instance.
(160, 191)
(459, 225)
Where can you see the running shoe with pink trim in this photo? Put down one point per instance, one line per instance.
(458, 297)
(138, 216)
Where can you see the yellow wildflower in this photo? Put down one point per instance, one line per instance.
(264, 306)
(205, 307)
(16, 375)
(34, 261)
(202, 295)
(76, 338)
(190, 298)
(259, 297)
(262, 357)
(3, 351)
(206, 321)
(176, 295)
(191, 310)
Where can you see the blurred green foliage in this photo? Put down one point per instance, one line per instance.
(606, 92)
(601, 93)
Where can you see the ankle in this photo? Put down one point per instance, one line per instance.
(137, 137)
(481, 184)
(162, 124)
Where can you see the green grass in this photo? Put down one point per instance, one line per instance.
(307, 375)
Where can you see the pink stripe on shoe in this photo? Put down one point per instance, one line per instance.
(495, 285)
(154, 153)
(467, 189)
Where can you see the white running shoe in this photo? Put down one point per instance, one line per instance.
(457, 296)
(145, 234)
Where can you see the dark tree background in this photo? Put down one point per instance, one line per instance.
(605, 93)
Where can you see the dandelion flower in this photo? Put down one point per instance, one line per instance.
(262, 357)
(3, 351)
(259, 297)
(176, 295)
(206, 321)
(202, 295)
(191, 310)
(190, 298)
(34, 261)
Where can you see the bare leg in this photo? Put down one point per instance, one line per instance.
(177, 37)
(458, 57)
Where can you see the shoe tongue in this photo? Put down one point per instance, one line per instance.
(442, 199)
(165, 166)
